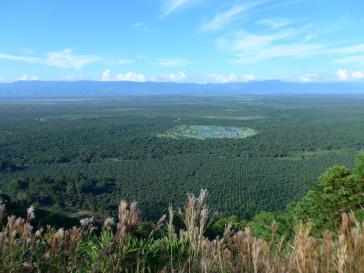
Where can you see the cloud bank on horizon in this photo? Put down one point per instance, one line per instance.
(182, 40)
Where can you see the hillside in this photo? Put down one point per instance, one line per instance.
(178, 242)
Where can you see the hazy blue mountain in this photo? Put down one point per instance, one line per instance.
(52, 89)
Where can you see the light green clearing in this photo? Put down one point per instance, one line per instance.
(208, 132)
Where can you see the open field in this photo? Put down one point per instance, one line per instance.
(203, 132)
(87, 154)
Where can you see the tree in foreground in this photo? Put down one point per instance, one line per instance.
(340, 190)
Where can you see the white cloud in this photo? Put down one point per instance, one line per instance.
(225, 78)
(129, 76)
(342, 74)
(225, 17)
(249, 77)
(66, 59)
(221, 78)
(306, 78)
(173, 77)
(25, 77)
(274, 23)
(357, 75)
(171, 6)
(105, 75)
(138, 77)
(179, 77)
(173, 62)
(62, 59)
(2, 78)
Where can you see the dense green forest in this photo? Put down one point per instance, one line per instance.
(80, 157)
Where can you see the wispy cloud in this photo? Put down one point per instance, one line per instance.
(249, 47)
(141, 26)
(293, 50)
(356, 60)
(116, 61)
(173, 62)
(277, 37)
(138, 25)
(274, 23)
(171, 6)
(350, 50)
(62, 59)
(242, 41)
(225, 17)
(25, 59)
(280, 42)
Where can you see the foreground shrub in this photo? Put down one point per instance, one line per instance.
(114, 246)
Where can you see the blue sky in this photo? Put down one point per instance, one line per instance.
(182, 40)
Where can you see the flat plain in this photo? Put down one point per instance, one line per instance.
(252, 153)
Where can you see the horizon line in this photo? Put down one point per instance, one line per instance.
(181, 83)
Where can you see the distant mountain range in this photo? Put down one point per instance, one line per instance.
(58, 89)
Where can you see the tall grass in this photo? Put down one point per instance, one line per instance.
(114, 247)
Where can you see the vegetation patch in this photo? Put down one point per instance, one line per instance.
(90, 162)
(208, 132)
(302, 155)
(234, 117)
